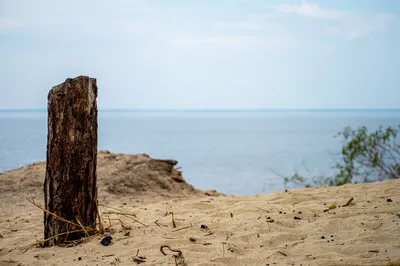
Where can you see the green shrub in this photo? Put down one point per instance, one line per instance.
(364, 156)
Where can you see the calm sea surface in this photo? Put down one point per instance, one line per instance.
(238, 153)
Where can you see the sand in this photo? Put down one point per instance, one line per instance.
(294, 227)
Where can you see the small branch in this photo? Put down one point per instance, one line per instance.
(49, 212)
(173, 220)
(276, 173)
(379, 225)
(101, 227)
(83, 228)
(305, 166)
(388, 150)
(127, 215)
(282, 253)
(348, 202)
(61, 234)
(179, 229)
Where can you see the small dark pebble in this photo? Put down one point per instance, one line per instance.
(268, 217)
(326, 210)
(106, 241)
(80, 258)
(389, 200)
(297, 218)
(280, 212)
(231, 215)
(203, 226)
(327, 241)
(300, 212)
(331, 236)
(332, 239)
(322, 237)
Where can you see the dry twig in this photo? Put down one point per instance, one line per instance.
(173, 220)
(348, 202)
(101, 227)
(127, 215)
(282, 253)
(55, 215)
(179, 259)
(186, 227)
(83, 228)
(86, 230)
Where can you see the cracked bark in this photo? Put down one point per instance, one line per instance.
(70, 183)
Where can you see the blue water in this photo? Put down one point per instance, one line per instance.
(240, 153)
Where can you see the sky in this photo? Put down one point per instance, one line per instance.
(204, 54)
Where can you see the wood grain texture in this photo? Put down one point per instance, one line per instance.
(70, 183)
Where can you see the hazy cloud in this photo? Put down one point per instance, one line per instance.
(251, 56)
(221, 25)
(364, 26)
(242, 25)
(9, 24)
(217, 40)
(311, 10)
(351, 26)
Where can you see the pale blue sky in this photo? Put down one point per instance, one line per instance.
(216, 54)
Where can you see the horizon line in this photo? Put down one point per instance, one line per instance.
(21, 110)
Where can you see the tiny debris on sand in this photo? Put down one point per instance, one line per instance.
(146, 204)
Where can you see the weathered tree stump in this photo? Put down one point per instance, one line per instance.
(70, 184)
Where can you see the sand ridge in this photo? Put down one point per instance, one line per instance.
(285, 228)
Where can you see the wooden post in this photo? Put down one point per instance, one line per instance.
(70, 183)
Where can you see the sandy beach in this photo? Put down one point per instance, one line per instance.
(146, 204)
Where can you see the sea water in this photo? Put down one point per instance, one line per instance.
(234, 152)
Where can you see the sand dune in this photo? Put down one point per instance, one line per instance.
(284, 228)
